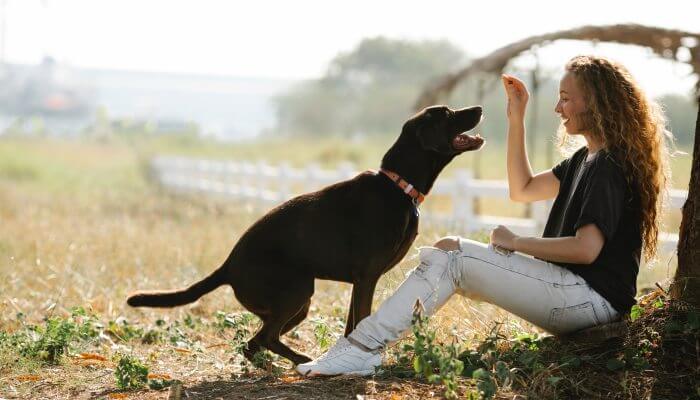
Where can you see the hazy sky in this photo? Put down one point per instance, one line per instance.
(296, 39)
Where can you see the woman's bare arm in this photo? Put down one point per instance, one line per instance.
(583, 248)
(542, 186)
(522, 185)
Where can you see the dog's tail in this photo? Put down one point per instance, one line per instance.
(173, 298)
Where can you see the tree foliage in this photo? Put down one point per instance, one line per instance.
(366, 91)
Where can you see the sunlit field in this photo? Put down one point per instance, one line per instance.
(81, 225)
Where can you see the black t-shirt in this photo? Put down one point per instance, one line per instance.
(602, 197)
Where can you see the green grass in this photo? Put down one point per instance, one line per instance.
(62, 166)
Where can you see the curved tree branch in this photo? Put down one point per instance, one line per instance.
(664, 42)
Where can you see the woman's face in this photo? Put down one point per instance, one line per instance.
(570, 104)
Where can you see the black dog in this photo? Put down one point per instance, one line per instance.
(352, 231)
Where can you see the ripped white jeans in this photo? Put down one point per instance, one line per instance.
(545, 294)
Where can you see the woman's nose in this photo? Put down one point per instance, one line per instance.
(557, 107)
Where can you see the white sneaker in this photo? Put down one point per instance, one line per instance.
(343, 358)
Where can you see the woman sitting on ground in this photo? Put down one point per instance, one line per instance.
(582, 271)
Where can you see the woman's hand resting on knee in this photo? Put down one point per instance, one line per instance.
(503, 237)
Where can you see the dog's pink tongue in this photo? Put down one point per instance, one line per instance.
(461, 140)
(464, 141)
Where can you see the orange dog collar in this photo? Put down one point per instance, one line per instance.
(407, 188)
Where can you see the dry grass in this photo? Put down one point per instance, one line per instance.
(81, 226)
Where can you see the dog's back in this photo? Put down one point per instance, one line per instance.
(331, 233)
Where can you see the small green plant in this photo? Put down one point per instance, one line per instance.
(632, 358)
(177, 336)
(485, 383)
(87, 324)
(233, 321)
(635, 312)
(240, 323)
(47, 343)
(435, 362)
(322, 333)
(224, 321)
(173, 333)
(191, 322)
(264, 360)
(123, 330)
(130, 373)
(5, 339)
(498, 361)
(160, 382)
(152, 336)
(52, 340)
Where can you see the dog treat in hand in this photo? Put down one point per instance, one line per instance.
(502, 250)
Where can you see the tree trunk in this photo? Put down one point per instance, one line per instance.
(686, 284)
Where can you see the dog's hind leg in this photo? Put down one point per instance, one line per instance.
(300, 316)
(269, 336)
(287, 309)
(254, 347)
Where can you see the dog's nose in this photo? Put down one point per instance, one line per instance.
(478, 109)
(470, 112)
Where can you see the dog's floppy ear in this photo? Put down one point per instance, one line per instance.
(427, 134)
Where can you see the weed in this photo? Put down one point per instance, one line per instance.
(152, 336)
(160, 383)
(233, 321)
(192, 322)
(265, 360)
(50, 341)
(435, 362)
(240, 323)
(322, 333)
(130, 373)
(87, 324)
(123, 330)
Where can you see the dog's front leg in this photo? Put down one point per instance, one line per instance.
(360, 302)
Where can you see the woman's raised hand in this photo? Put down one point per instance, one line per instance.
(517, 95)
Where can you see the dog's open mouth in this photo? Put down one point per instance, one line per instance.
(465, 142)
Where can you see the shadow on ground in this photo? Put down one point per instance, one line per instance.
(301, 388)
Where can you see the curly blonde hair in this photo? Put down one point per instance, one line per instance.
(632, 128)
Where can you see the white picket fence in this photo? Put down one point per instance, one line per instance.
(268, 185)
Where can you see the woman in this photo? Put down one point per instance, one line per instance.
(583, 269)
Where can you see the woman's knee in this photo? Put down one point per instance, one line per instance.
(448, 243)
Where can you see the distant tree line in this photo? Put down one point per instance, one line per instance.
(370, 90)
(366, 91)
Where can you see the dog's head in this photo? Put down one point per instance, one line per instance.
(429, 141)
(443, 130)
